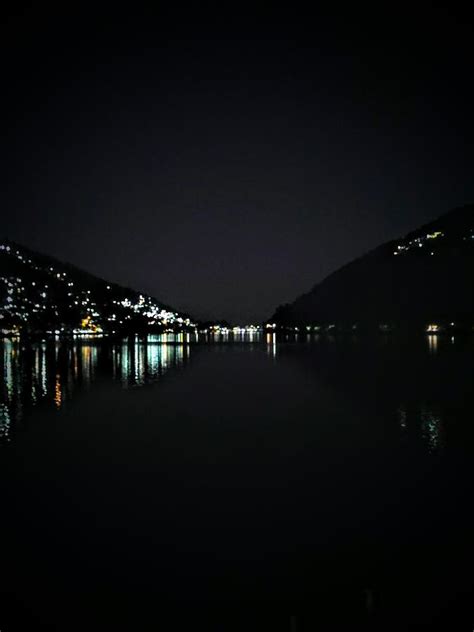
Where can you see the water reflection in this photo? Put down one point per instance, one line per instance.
(426, 422)
(58, 392)
(402, 417)
(338, 462)
(49, 373)
(139, 363)
(415, 385)
(271, 341)
(4, 422)
(433, 343)
(431, 428)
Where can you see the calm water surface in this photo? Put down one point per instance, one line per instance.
(327, 478)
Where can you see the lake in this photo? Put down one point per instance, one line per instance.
(258, 483)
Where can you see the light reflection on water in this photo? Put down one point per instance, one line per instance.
(433, 343)
(275, 459)
(49, 373)
(425, 420)
(271, 342)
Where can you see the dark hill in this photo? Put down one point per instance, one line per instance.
(426, 276)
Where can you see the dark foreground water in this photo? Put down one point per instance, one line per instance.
(255, 485)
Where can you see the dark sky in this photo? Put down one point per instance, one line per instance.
(227, 165)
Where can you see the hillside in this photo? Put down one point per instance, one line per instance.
(425, 277)
(41, 294)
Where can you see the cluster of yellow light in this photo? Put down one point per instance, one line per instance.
(89, 326)
(433, 328)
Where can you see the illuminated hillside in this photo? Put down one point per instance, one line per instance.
(40, 294)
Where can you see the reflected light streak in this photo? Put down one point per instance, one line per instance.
(45, 372)
(57, 392)
(271, 344)
(433, 343)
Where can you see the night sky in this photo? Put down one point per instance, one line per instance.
(227, 165)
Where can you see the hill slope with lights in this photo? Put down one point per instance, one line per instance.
(425, 279)
(39, 294)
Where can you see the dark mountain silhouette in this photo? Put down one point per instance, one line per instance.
(39, 293)
(425, 277)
